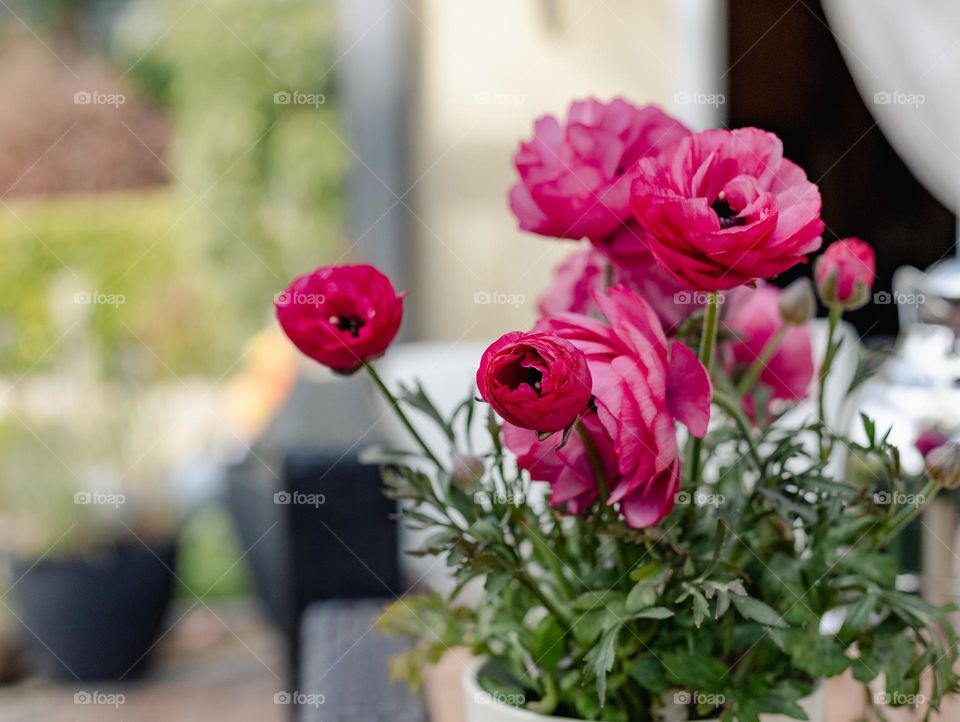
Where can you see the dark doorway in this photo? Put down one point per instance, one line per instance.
(787, 75)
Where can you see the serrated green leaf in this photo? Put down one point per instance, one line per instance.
(600, 660)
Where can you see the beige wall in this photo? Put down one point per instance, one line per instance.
(487, 69)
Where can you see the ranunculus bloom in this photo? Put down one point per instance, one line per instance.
(567, 469)
(575, 177)
(751, 316)
(535, 380)
(642, 384)
(727, 209)
(341, 316)
(589, 269)
(845, 273)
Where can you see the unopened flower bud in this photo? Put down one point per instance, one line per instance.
(467, 470)
(943, 464)
(845, 273)
(797, 302)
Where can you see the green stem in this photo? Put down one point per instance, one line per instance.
(551, 697)
(550, 605)
(395, 404)
(603, 491)
(836, 311)
(756, 368)
(547, 555)
(708, 342)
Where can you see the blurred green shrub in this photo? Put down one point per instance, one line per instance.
(264, 175)
(117, 260)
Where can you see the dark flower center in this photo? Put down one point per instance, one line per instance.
(519, 374)
(348, 324)
(726, 215)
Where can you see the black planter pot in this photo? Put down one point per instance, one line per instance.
(95, 618)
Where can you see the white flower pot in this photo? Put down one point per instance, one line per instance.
(482, 707)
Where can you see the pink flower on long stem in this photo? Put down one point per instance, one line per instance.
(575, 176)
(727, 209)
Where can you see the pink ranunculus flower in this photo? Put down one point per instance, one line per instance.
(567, 469)
(727, 209)
(642, 385)
(536, 381)
(751, 316)
(575, 176)
(341, 316)
(591, 269)
(845, 273)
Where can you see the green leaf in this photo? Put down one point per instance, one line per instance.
(589, 627)
(548, 648)
(652, 613)
(869, 428)
(649, 583)
(700, 608)
(815, 654)
(858, 618)
(600, 659)
(758, 611)
(418, 399)
(649, 673)
(697, 671)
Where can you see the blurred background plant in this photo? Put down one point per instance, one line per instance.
(254, 148)
(142, 240)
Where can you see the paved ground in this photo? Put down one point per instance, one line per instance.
(205, 670)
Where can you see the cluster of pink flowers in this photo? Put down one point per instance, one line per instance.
(669, 219)
(591, 396)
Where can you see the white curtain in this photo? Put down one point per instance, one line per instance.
(904, 56)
